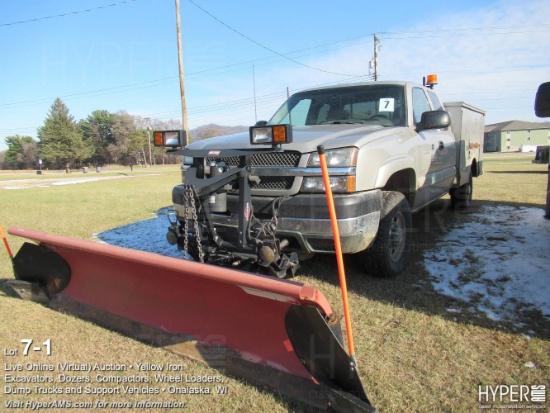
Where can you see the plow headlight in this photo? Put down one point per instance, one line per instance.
(170, 138)
(270, 135)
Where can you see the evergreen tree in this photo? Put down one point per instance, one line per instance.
(21, 153)
(97, 128)
(123, 126)
(61, 140)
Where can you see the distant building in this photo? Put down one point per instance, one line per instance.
(516, 136)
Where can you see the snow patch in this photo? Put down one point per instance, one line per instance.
(148, 235)
(498, 262)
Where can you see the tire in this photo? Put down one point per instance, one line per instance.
(461, 197)
(390, 252)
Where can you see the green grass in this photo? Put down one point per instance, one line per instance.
(83, 209)
(513, 180)
(413, 354)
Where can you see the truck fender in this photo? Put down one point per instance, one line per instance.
(392, 166)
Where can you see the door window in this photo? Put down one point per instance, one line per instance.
(436, 103)
(420, 104)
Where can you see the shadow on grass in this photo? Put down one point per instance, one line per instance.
(414, 289)
(519, 172)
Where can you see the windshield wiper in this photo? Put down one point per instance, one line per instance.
(340, 122)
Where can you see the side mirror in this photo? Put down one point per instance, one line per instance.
(435, 119)
(542, 101)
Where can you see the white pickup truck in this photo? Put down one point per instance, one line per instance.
(391, 148)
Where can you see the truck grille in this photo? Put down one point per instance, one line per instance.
(274, 182)
(273, 159)
(287, 159)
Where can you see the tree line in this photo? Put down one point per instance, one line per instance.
(102, 138)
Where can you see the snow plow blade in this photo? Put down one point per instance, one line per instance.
(274, 333)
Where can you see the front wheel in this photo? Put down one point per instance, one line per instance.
(390, 251)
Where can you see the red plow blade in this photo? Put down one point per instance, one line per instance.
(276, 333)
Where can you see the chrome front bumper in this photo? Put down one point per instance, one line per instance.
(305, 222)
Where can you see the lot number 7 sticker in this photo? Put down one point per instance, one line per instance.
(386, 105)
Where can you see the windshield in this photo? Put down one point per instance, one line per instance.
(369, 104)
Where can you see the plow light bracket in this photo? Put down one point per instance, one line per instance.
(270, 134)
(170, 138)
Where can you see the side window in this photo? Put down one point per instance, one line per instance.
(420, 104)
(436, 103)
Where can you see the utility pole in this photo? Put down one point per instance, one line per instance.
(180, 62)
(149, 140)
(376, 46)
(149, 143)
(254, 86)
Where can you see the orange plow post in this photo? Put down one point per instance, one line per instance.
(276, 333)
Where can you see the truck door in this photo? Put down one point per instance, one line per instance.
(442, 148)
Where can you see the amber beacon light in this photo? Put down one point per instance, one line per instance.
(430, 81)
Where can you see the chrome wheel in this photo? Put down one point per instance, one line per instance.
(396, 243)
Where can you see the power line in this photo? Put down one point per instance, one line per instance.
(66, 14)
(453, 35)
(265, 47)
(465, 29)
(470, 31)
(255, 61)
(151, 83)
(96, 92)
(207, 109)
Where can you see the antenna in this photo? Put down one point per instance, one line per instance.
(375, 60)
(254, 86)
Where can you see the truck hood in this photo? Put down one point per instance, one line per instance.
(307, 138)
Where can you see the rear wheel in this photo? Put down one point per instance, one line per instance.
(390, 251)
(461, 197)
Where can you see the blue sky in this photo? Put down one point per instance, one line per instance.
(121, 55)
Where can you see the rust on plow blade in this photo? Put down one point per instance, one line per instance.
(276, 333)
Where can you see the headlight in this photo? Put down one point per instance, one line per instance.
(335, 157)
(338, 184)
(188, 160)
